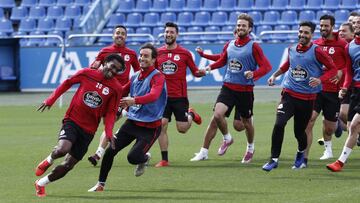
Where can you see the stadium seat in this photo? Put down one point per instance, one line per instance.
(72, 11)
(193, 5)
(150, 19)
(45, 24)
(6, 26)
(262, 28)
(28, 3)
(245, 5)
(157, 31)
(167, 17)
(142, 30)
(321, 13)
(64, 3)
(1, 13)
(126, 6)
(27, 25)
(35, 41)
(341, 16)
(228, 5)
(288, 18)
(7, 3)
(218, 18)
(212, 37)
(142, 6)
(279, 5)
(348, 4)
(271, 18)
(202, 18)
(193, 38)
(331, 4)
(210, 5)
(63, 24)
(306, 15)
(37, 12)
(115, 19)
(176, 5)
(18, 13)
(256, 16)
(313, 4)
(82, 2)
(106, 40)
(262, 5)
(185, 19)
(159, 6)
(133, 19)
(296, 5)
(226, 37)
(46, 3)
(54, 12)
(233, 18)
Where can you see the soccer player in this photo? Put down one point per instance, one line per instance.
(98, 96)
(327, 99)
(352, 77)
(241, 56)
(346, 32)
(306, 68)
(130, 58)
(352, 15)
(172, 61)
(146, 106)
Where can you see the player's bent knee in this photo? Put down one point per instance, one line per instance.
(133, 159)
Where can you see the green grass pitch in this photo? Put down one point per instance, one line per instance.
(28, 136)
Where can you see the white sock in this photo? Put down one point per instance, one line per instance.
(227, 137)
(275, 159)
(49, 159)
(328, 146)
(100, 152)
(204, 150)
(251, 147)
(123, 113)
(345, 154)
(43, 181)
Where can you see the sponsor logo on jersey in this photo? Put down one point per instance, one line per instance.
(105, 91)
(169, 67)
(92, 99)
(235, 66)
(299, 73)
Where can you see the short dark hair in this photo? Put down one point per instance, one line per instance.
(153, 49)
(171, 24)
(308, 24)
(328, 17)
(116, 57)
(247, 17)
(351, 28)
(120, 26)
(354, 13)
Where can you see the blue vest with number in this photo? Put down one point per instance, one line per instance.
(354, 52)
(240, 59)
(302, 67)
(146, 112)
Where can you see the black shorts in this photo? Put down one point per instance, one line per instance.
(354, 105)
(329, 104)
(346, 99)
(75, 134)
(243, 102)
(178, 106)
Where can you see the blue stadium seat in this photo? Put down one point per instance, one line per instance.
(157, 31)
(288, 18)
(142, 6)
(210, 5)
(106, 40)
(212, 37)
(320, 13)
(151, 19)
(64, 3)
(35, 41)
(271, 18)
(262, 28)
(28, 3)
(262, 5)
(115, 19)
(37, 12)
(282, 37)
(53, 41)
(167, 17)
(218, 18)
(54, 12)
(45, 25)
(296, 5)
(279, 5)
(245, 5)
(193, 5)
(133, 19)
(27, 25)
(226, 37)
(202, 18)
(18, 13)
(331, 4)
(72, 11)
(46, 3)
(228, 5)
(185, 19)
(6, 26)
(341, 16)
(7, 3)
(63, 24)
(176, 5)
(256, 16)
(233, 18)
(126, 6)
(1, 13)
(142, 30)
(314, 4)
(82, 2)
(306, 15)
(348, 4)
(159, 6)
(193, 38)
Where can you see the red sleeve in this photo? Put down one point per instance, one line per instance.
(157, 84)
(126, 89)
(213, 57)
(262, 61)
(63, 88)
(191, 64)
(99, 58)
(348, 72)
(135, 63)
(330, 68)
(285, 66)
(110, 116)
(222, 60)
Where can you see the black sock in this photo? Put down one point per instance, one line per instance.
(164, 155)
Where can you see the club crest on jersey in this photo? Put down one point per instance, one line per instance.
(235, 66)
(331, 50)
(105, 91)
(169, 67)
(126, 57)
(299, 73)
(92, 99)
(177, 57)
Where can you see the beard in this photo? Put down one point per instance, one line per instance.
(170, 41)
(324, 34)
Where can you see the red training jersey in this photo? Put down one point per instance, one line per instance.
(129, 56)
(349, 70)
(95, 98)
